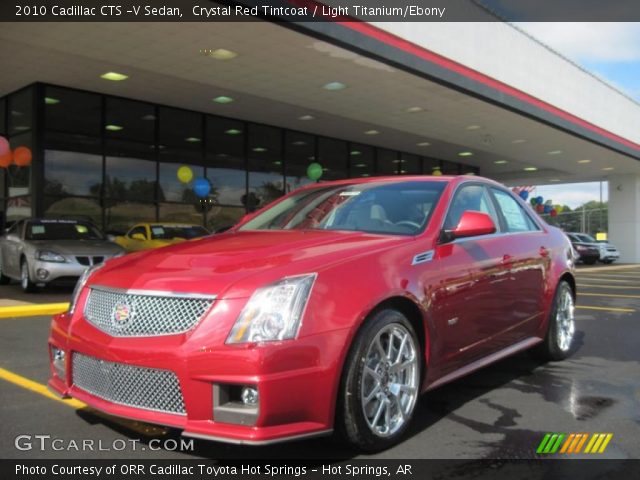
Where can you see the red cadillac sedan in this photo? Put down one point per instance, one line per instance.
(331, 309)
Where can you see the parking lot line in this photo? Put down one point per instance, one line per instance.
(607, 275)
(36, 387)
(610, 280)
(33, 310)
(606, 309)
(612, 295)
(619, 287)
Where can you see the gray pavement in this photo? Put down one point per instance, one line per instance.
(500, 412)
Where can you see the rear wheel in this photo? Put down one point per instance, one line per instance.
(381, 383)
(561, 327)
(3, 278)
(25, 279)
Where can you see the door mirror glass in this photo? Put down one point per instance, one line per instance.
(472, 224)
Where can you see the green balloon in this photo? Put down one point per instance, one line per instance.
(314, 171)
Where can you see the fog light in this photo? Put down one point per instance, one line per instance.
(249, 396)
(42, 274)
(58, 359)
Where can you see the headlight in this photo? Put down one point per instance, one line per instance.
(49, 256)
(82, 281)
(273, 312)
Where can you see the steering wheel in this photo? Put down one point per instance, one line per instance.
(408, 222)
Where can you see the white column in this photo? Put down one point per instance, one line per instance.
(624, 216)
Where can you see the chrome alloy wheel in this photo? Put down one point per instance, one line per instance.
(24, 275)
(390, 380)
(565, 320)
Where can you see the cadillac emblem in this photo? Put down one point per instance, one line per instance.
(122, 315)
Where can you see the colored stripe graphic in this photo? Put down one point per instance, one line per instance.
(573, 442)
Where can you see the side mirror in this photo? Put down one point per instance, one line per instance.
(138, 236)
(471, 224)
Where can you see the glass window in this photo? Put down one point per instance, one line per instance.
(80, 208)
(226, 161)
(128, 119)
(388, 162)
(3, 111)
(180, 128)
(429, 165)
(332, 155)
(450, 168)
(171, 188)
(171, 231)
(469, 170)
(181, 213)
(265, 166)
(299, 151)
(77, 172)
(469, 198)
(130, 172)
(515, 218)
(139, 230)
(19, 178)
(21, 111)
(220, 218)
(410, 164)
(399, 208)
(361, 160)
(72, 111)
(120, 216)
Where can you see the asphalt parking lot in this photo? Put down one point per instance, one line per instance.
(500, 412)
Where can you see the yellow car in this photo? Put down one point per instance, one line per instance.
(154, 235)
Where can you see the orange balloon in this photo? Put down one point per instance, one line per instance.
(6, 159)
(22, 156)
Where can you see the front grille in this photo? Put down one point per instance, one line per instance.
(83, 260)
(90, 260)
(140, 387)
(122, 313)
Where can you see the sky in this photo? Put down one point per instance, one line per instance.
(611, 51)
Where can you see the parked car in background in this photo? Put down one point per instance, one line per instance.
(144, 236)
(333, 308)
(40, 251)
(608, 253)
(587, 253)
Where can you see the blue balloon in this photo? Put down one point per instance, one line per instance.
(524, 194)
(201, 187)
(548, 208)
(539, 200)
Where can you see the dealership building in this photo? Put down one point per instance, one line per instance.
(110, 111)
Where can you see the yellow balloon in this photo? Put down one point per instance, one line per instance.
(559, 208)
(436, 172)
(185, 174)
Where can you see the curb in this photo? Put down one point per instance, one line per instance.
(33, 310)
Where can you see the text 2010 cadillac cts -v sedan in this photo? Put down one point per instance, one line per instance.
(331, 309)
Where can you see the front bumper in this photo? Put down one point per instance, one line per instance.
(296, 380)
(68, 271)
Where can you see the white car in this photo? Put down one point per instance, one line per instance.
(608, 252)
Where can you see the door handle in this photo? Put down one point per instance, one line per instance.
(544, 252)
(507, 259)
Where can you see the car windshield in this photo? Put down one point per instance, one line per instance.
(397, 208)
(62, 230)
(586, 238)
(167, 232)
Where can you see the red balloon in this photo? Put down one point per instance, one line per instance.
(4, 146)
(554, 213)
(22, 156)
(6, 159)
(540, 208)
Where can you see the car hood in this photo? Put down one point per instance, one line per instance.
(217, 264)
(77, 247)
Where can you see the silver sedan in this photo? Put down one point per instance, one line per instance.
(39, 252)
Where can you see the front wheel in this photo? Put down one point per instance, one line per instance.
(25, 279)
(3, 278)
(562, 325)
(381, 383)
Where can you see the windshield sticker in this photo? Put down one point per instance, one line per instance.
(82, 228)
(37, 229)
(157, 230)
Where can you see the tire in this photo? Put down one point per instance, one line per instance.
(4, 280)
(380, 421)
(561, 325)
(25, 279)
(607, 262)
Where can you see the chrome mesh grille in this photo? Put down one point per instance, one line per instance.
(142, 314)
(140, 387)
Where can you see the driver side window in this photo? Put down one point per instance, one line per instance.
(141, 230)
(470, 197)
